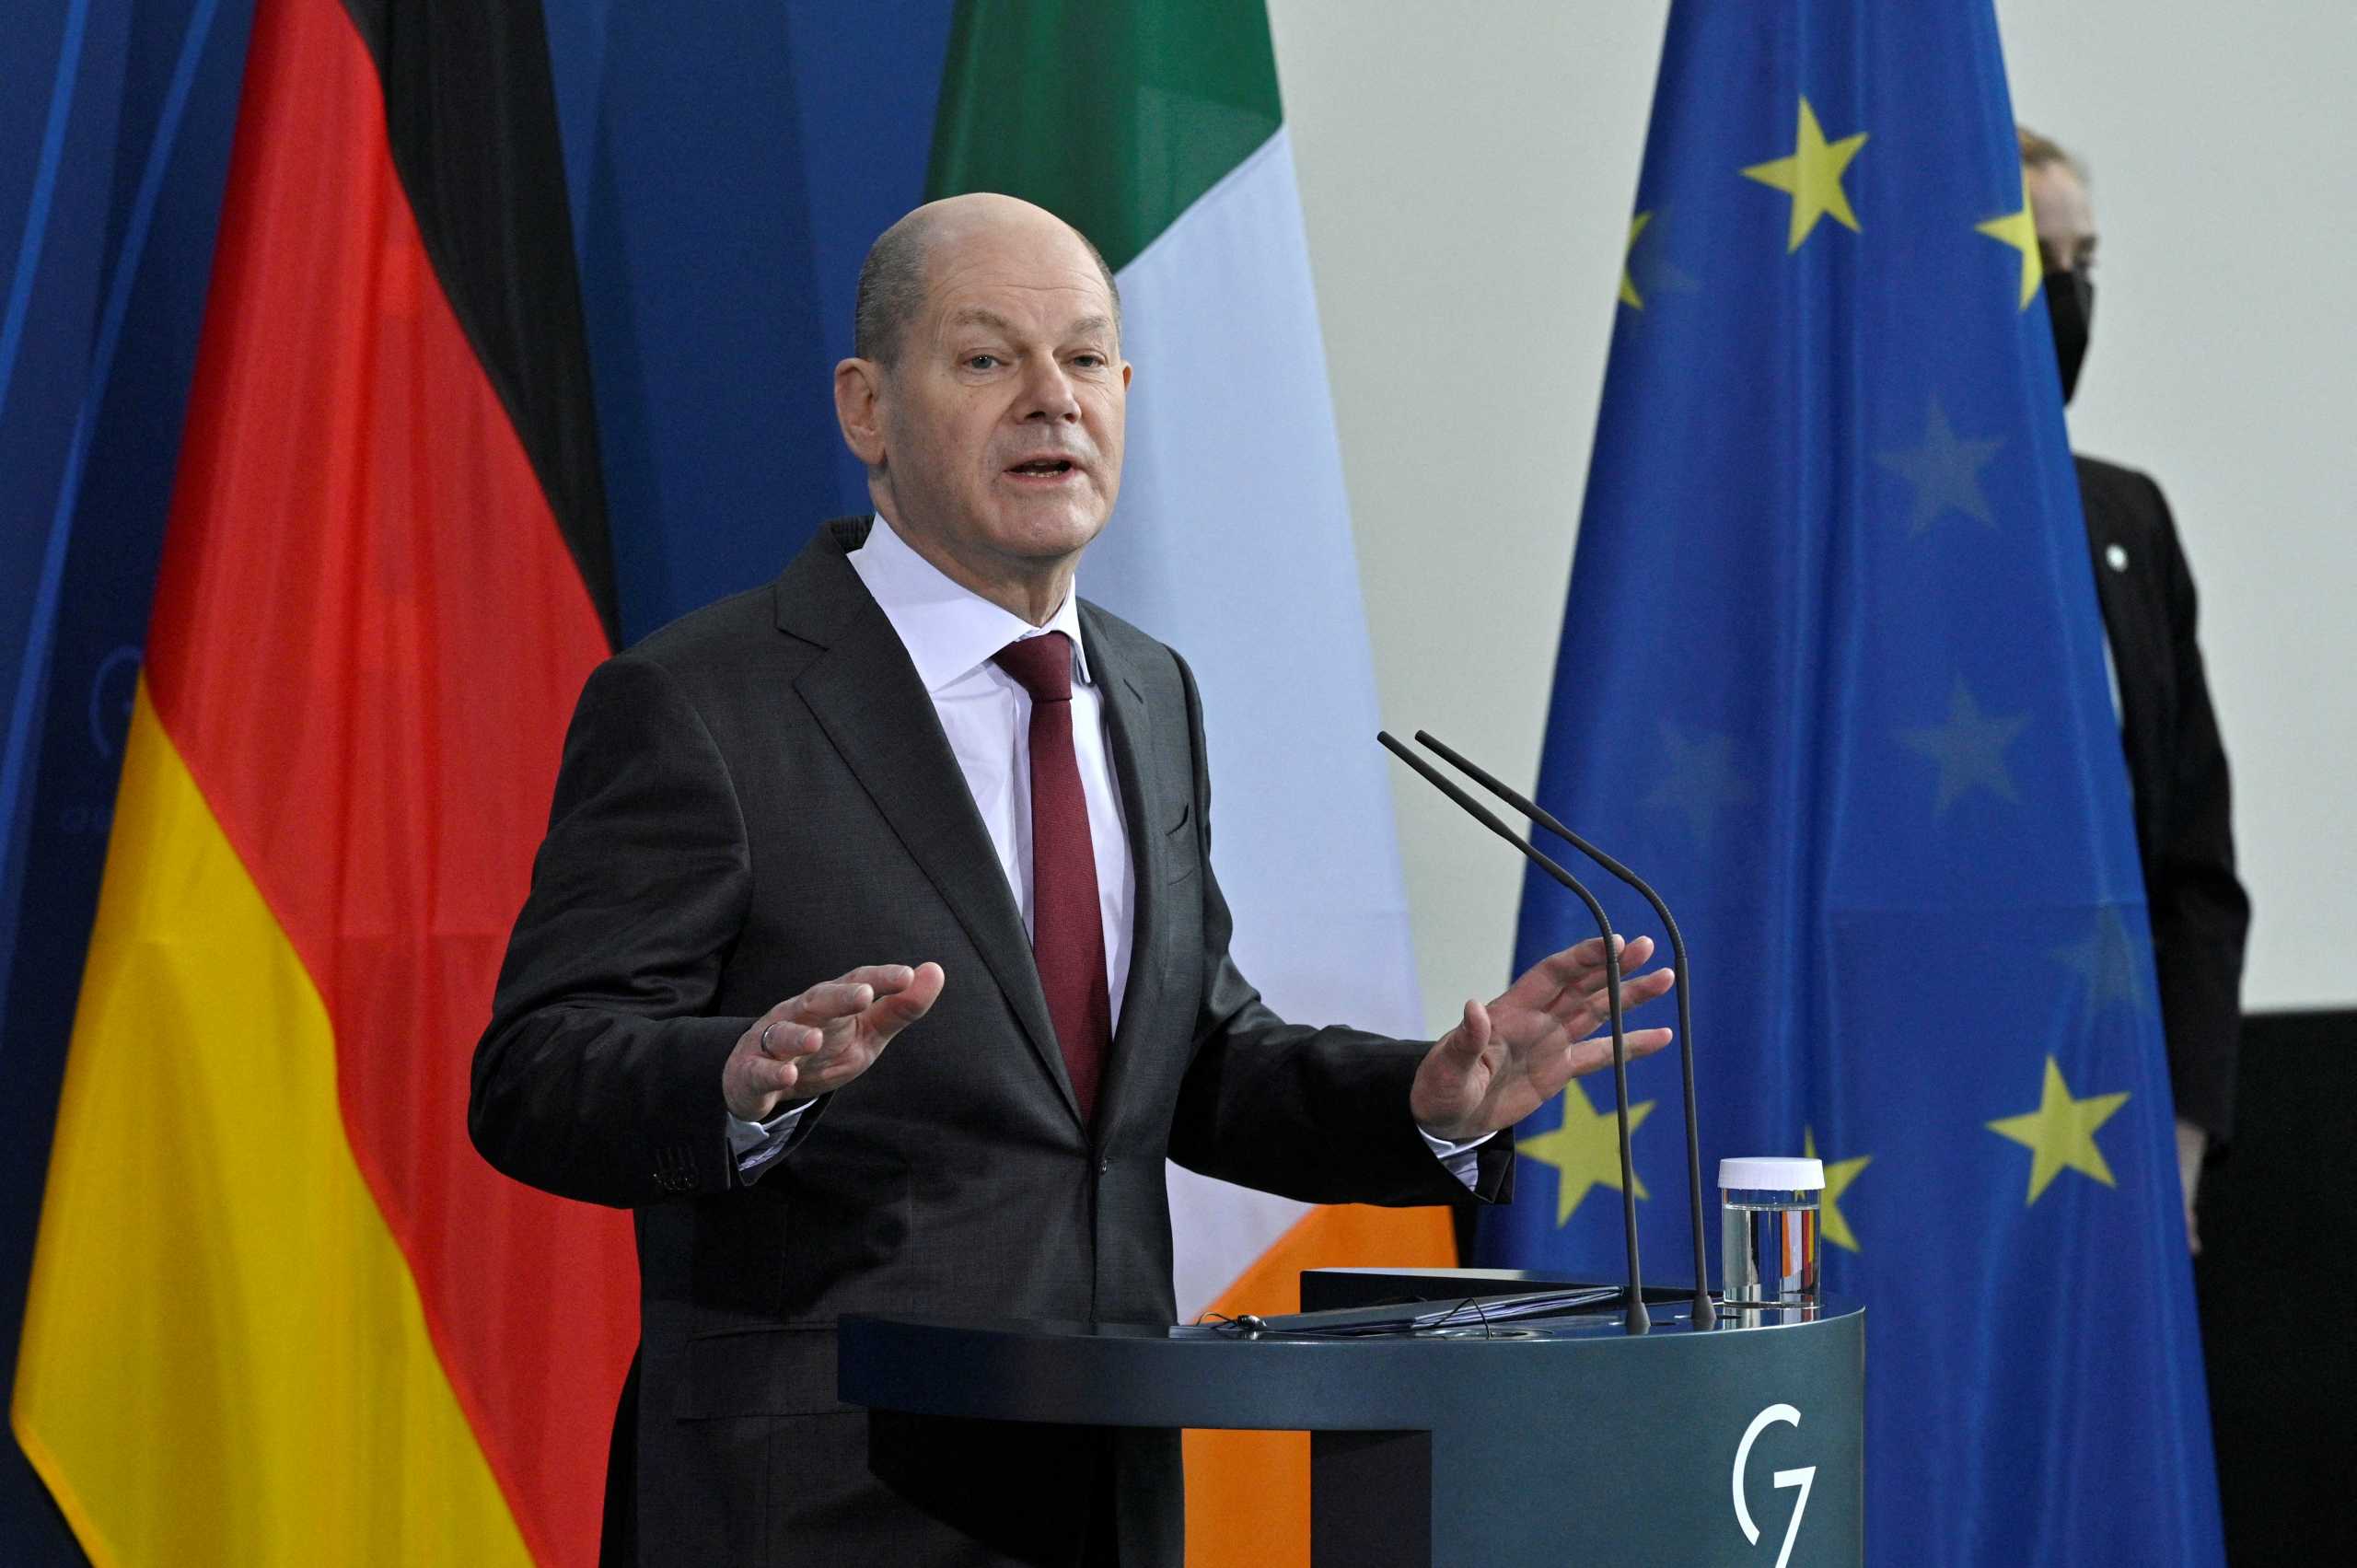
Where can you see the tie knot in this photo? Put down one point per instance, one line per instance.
(1042, 665)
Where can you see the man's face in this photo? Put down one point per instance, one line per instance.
(1002, 424)
(2066, 223)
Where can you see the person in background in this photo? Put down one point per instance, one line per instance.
(2176, 764)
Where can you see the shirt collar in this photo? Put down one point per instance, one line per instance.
(949, 630)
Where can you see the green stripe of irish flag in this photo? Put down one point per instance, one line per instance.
(1117, 117)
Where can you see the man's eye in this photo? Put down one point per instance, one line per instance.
(981, 362)
(1088, 361)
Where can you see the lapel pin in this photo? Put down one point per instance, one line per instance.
(2116, 557)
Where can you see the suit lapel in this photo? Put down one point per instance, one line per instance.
(866, 695)
(2123, 594)
(2111, 590)
(2116, 592)
(1129, 742)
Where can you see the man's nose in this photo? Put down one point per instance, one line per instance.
(1048, 394)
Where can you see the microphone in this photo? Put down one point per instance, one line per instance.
(1636, 1321)
(1705, 1316)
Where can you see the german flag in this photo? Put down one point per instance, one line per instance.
(281, 1312)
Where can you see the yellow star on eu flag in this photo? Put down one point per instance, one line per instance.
(1812, 176)
(1585, 1151)
(1628, 295)
(2020, 231)
(1839, 1174)
(2060, 1133)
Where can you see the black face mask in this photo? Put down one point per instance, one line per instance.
(2070, 306)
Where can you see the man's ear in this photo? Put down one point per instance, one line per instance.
(859, 391)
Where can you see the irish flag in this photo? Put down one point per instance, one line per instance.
(1158, 131)
(280, 1311)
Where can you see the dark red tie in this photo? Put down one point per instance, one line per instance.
(1067, 931)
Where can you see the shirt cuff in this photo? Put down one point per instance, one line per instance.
(1463, 1160)
(755, 1144)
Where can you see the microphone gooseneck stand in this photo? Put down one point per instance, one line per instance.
(1637, 1320)
(1705, 1315)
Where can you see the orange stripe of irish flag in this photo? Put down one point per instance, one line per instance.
(1247, 1492)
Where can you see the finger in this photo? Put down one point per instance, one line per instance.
(1589, 972)
(1592, 974)
(1589, 954)
(1568, 976)
(1544, 983)
(1470, 1038)
(1590, 1055)
(1634, 953)
(772, 1077)
(1641, 988)
(1635, 991)
(833, 999)
(782, 1040)
(906, 1005)
(883, 979)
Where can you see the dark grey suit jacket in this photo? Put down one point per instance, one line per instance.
(2185, 833)
(759, 797)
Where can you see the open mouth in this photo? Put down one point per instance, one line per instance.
(1042, 467)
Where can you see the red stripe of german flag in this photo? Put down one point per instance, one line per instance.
(281, 1311)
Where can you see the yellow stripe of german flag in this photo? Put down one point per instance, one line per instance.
(264, 1324)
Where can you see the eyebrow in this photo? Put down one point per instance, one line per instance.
(976, 316)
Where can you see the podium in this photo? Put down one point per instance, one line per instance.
(1544, 1441)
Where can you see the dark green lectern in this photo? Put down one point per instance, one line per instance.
(1547, 1441)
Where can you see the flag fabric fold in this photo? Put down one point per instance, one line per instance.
(281, 1312)
(1832, 674)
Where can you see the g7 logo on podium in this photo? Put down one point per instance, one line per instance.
(1802, 1478)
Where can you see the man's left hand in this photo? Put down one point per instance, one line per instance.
(1509, 1058)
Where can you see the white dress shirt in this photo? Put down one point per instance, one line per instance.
(951, 633)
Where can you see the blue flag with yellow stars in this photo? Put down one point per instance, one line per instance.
(1833, 674)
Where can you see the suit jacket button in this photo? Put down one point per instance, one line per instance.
(1105, 1167)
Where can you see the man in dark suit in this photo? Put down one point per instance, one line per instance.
(921, 793)
(2176, 762)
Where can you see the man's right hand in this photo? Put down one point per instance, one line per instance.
(815, 1044)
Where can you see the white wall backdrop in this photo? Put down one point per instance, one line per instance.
(1467, 173)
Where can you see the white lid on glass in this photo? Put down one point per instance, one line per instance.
(1761, 1173)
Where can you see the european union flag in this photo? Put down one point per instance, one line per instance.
(1832, 673)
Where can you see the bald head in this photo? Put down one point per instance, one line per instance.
(989, 395)
(893, 280)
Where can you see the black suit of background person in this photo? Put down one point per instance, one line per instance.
(2176, 762)
(761, 796)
